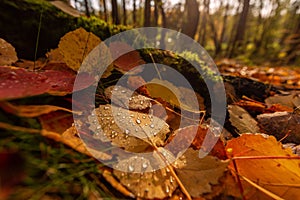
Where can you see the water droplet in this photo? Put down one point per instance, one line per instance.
(138, 121)
(118, 114)
(112, 121)
(130, 168)
(144, 117)
(136, 130)
(106, 108)
(98, 127)
(115, 88)
(167, 189)
(127, 131)
(141, 102)
(93, 114)
(123, 91)
(152, 125)
(155, 134)
(171, 179)
(145, 165)
(131, 115)
(130, 99)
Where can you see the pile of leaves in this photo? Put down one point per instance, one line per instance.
(255, 156)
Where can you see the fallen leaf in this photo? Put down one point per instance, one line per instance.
(279, 176)
(196, 136)
(198, 175)
(58, 121)
(283, 100)
(179, 97)
(127, 98)
(242, 120)
(125, 62)
(19, 83)
(150, 185)
(30, 110)
(133, 131)
(279, 124)
(8, 54)
(76, 45)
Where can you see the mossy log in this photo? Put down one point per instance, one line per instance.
(20, 20)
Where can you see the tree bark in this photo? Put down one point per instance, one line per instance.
(115, 12)
(190, 24)
(147, 13)
(124, 12)
(241, 27)
(134, 12)
(202, 33)
(87, 10)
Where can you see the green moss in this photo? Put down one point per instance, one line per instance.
(19, 21)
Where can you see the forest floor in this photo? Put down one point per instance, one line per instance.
(46, 153)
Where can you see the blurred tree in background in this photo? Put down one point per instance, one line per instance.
(251, 31)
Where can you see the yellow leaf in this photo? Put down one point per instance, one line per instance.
(75, 46)
(279, 176)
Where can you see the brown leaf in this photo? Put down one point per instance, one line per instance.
(279, 124)
(150, 185)
(133, 131)
(202, 132)
(127, 61)
(242, 120)
(8, 54)
(124, 96)
(198, 175)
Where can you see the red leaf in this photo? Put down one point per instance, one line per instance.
(20, 83)
(127, 61)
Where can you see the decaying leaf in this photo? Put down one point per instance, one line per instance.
(198, 175)
(127, 61)
(241, 120)
(279, 124)
(8, 54)
(279, 176)
(200, 133)
(157, 184)
(283, 100)
(133, 131)
(127, 98)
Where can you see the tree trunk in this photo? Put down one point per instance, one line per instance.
(124, 12)
(147, 13)
(241, 27)
(155, 23)
(134, 13)
(164, 23)
(115, 12)
(104, 10)
(190, 24)
(205, 14)
(87, 10)
(219, 46)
